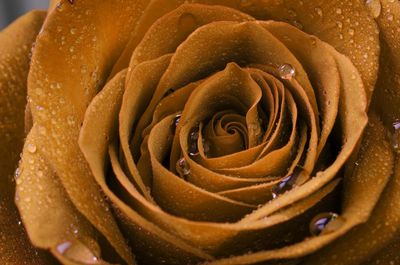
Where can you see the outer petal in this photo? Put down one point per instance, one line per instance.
(387, 96)
(15, 42)
(72, 59)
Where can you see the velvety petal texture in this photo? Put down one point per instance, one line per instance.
(15, 44)
(208, 132)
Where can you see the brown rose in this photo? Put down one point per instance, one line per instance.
(217, 132)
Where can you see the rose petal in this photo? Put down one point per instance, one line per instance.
(388, 255)
(320, 67)
(48, 215)
(386, 99)
(363, 192)
(352, 119)
(172, 193)
(348, 27)
(136, 97)
(15, 43)
(133, 222)
(72, 59)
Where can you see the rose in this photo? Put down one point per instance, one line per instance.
(214, 63)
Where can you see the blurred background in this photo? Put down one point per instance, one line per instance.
(11, 9)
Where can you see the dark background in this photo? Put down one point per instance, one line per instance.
(11, 9)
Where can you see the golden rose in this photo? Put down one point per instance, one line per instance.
(216, 132)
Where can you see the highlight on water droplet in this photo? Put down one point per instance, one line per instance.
(325, 223)
(374, 7)
(286, 71)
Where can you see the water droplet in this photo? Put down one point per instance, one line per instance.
(31, 148)
(396, 136)
(71, 120)
(40, 108)
(325, 223)
(286, 71)
(193, 149)
(313, 41)
(72, 31)
(351, 31)
(17, 173)
(183, 167)
(77, 252)
(319, 11)
(177, 119)
(396, 125)
(297, 177)
(374, 7)
(39, 173)
(206, 146)
(338, 11)
(59, 6)
(187, 23)
(297, 24)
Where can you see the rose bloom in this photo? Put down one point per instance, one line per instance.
(201, 132)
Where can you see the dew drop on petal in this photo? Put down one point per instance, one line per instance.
(374, 7)
(193, 148)
(187, 22)
(63, 247)
(297, 177)
(297, 24)
(396, 136)
(183, 167)
(17, 173)
(31, 148)
(319, 11)
(286, 71)
(77, 252)
(206, 146)
(177, 119)
(325, 223)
